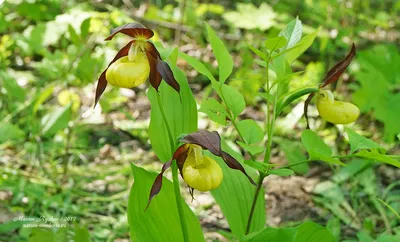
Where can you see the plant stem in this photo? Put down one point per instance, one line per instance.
(179, 200)
(164, 115)
(175, 178)
(253, 204)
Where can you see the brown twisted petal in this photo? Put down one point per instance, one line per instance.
(102, 83)
(336, 71)
(159, 69)
(156, 188)
(133, 30)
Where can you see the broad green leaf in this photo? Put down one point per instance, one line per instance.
(76, 40)
(13, 89)
(224, 59)
(10, 132)
(214, 110)
(300, 47)
(235, 196)
(81, 234)
(295, 155)
(359, 142)
(42, 235)
(272, 234)
(250, 130)
(160, 222)
(375, 155)
(252, 149)
(275, 43)
(181, 114)
(198, 66)
(305, 232)
(378, 72)
(56, 120)
(292, 32)
(317, 149)
(312, 232)
(85, 26)
(234, 100)
(281, 172)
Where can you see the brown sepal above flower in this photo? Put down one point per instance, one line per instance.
(332, 76)
(207, 140)
(159, 69)
(132, 30)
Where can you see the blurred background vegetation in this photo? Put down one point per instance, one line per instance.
(60, 157)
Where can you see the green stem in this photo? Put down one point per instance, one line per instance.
(164, 115)
(179, 200)
(175, 179)
(253, 204)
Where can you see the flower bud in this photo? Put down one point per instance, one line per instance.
(201, 172)
(335, 111)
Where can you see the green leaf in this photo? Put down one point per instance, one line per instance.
(10, 132)
(13, 89)
(298, 49)
(235, 196)
(257, 52)
(359, 142)
(198, 66)
(76, 40)
(312, 232)
(225, 61)
(281, 172)
(81, 234)
(317, 149)
(42, 97)
(375, 155)
(42, 235)
(56, 120)
(260, 166)
(234, 100)
(292, 32)
(160, 222)
(181, 114)
(252, 149)
(214, 110)
(85, 26)
(306, 232)
(294, 96)
(275, 43)
(250, 130)
(272, 234)
(295, 155)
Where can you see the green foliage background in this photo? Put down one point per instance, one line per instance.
(61, 161)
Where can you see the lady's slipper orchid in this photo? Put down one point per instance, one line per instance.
(135, 62)
(334, 111)
(332, 76)
(199, 171)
